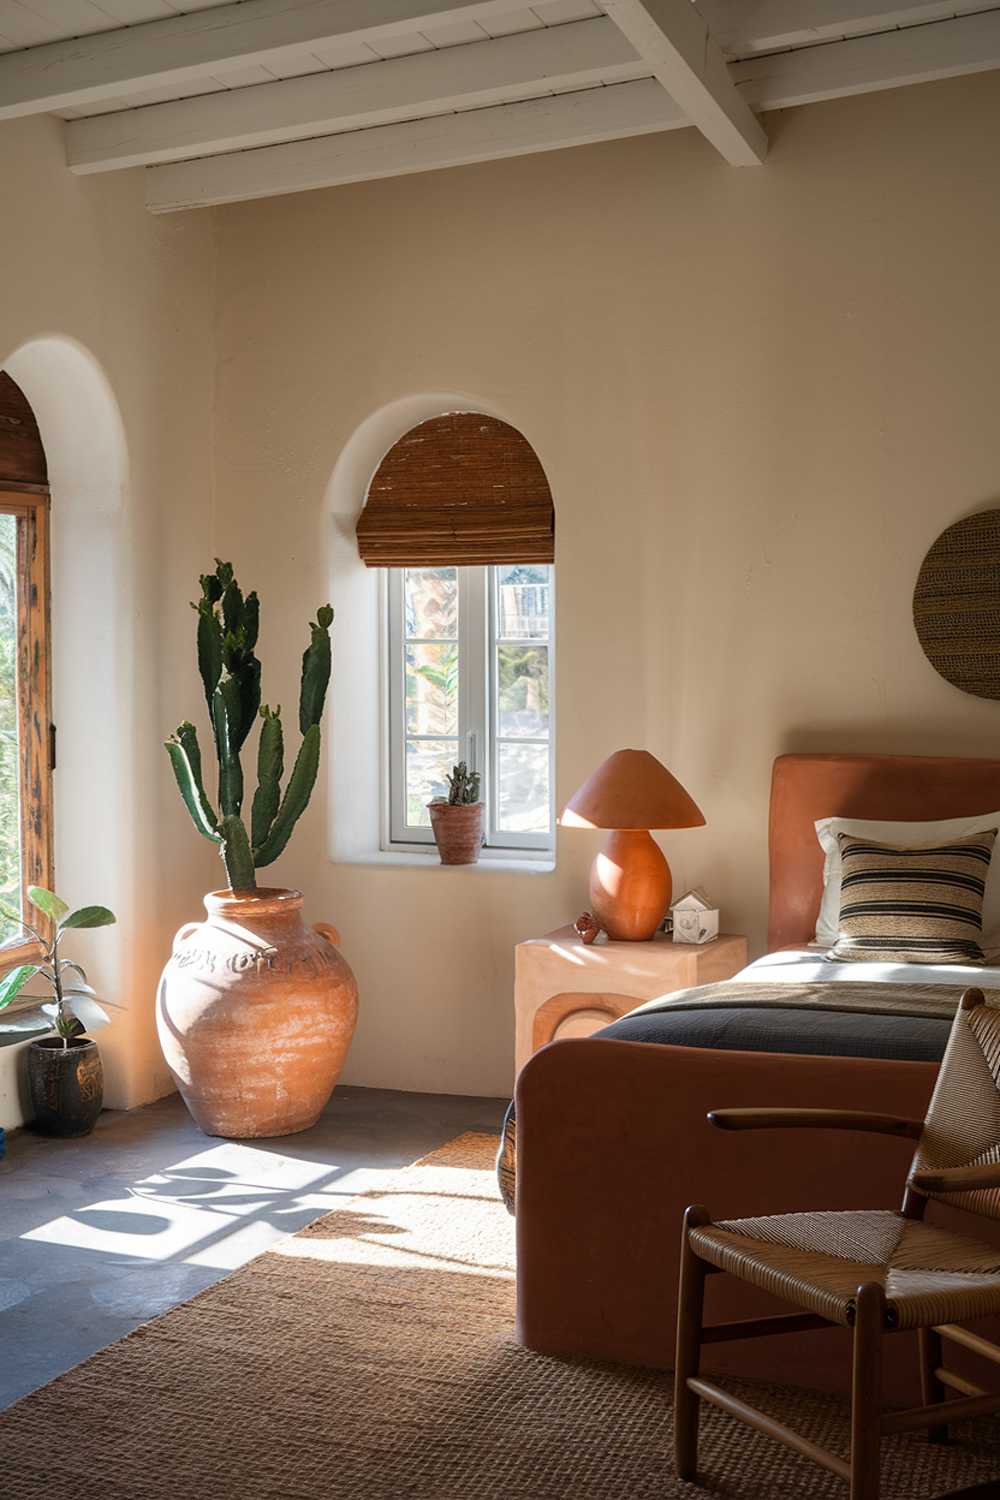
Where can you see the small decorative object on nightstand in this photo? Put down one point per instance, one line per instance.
(565, 986)
(696, 920)
(587, 927)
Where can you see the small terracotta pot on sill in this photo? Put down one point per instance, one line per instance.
(458, 831)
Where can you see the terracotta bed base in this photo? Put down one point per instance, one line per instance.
(613, 1145)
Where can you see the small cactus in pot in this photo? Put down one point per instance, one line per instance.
(457, 820)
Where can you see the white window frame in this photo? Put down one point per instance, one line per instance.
(478, 742)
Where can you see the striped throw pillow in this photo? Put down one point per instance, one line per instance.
(920, 905)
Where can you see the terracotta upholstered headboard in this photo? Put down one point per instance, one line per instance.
(894, 787)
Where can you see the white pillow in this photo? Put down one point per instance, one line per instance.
(901, 835)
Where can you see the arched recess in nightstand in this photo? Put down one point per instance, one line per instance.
(553, 1014)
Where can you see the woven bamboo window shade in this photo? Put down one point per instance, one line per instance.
(458, 490)
(22, 457)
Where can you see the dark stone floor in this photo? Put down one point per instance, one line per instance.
(99, 1235)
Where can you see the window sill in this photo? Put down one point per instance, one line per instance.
(417, 860)
(14, 953)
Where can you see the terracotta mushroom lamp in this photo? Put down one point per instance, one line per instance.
(630, 881)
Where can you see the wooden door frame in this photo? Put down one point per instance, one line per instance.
(31, 506)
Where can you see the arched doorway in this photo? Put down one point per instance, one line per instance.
(93, 700)
(27, 744)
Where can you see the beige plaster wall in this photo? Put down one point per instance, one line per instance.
(106, 319)
(759, 396)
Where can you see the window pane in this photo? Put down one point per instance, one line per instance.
(523, 691)
(428, 763)
(523, 602)
(10, 811)
(523, 791)
(431, 603)
(432, 689)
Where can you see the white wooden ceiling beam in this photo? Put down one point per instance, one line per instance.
(744, 27)
(598, 114)
(577, 55)
(892, 59)
(107, 64)
(674, 39)
(967, 44)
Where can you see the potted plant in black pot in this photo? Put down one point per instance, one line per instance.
(65, 1077)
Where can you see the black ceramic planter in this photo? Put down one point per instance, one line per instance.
(65, 1085)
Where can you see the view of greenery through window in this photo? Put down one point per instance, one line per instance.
(10, 835)
(519, 644)
(521, 710)
(430, 605)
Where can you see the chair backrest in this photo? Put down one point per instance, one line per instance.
(962, 1126)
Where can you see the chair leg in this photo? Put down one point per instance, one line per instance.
(866, 1392)
(931, 1389)
(690, 1306)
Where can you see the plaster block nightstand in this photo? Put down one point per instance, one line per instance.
(564, 987)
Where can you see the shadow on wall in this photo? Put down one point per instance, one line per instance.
(899, 736)
(83, 436)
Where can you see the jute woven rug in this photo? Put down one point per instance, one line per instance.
(371, 1357)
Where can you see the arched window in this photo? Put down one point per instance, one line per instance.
(460, 516)
(26, 734)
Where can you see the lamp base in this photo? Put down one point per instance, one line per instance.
(630, 886)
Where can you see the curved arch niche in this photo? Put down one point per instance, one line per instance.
(354, 807)
(93, 697)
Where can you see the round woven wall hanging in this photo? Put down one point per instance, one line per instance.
(956, 604)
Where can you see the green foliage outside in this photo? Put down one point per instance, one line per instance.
(444, 677)
(10, 829)
(519, 679)
(523, 689)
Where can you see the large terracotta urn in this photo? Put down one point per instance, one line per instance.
(255, 1013)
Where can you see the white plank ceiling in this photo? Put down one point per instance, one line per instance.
(223, 100)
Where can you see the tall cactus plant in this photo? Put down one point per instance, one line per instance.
(228, 626)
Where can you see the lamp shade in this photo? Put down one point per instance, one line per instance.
(631, 789)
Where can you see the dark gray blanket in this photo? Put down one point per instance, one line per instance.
(762, 1028)
(883, 1021)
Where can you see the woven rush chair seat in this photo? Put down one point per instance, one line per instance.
(818, 1261)
(875, 1271)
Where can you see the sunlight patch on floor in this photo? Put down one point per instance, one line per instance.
(440, 1217)
(215, 1208)
(222, 1206)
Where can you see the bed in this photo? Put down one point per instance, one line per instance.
(612, 1139)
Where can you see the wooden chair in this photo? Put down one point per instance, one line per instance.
(878, 1272)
